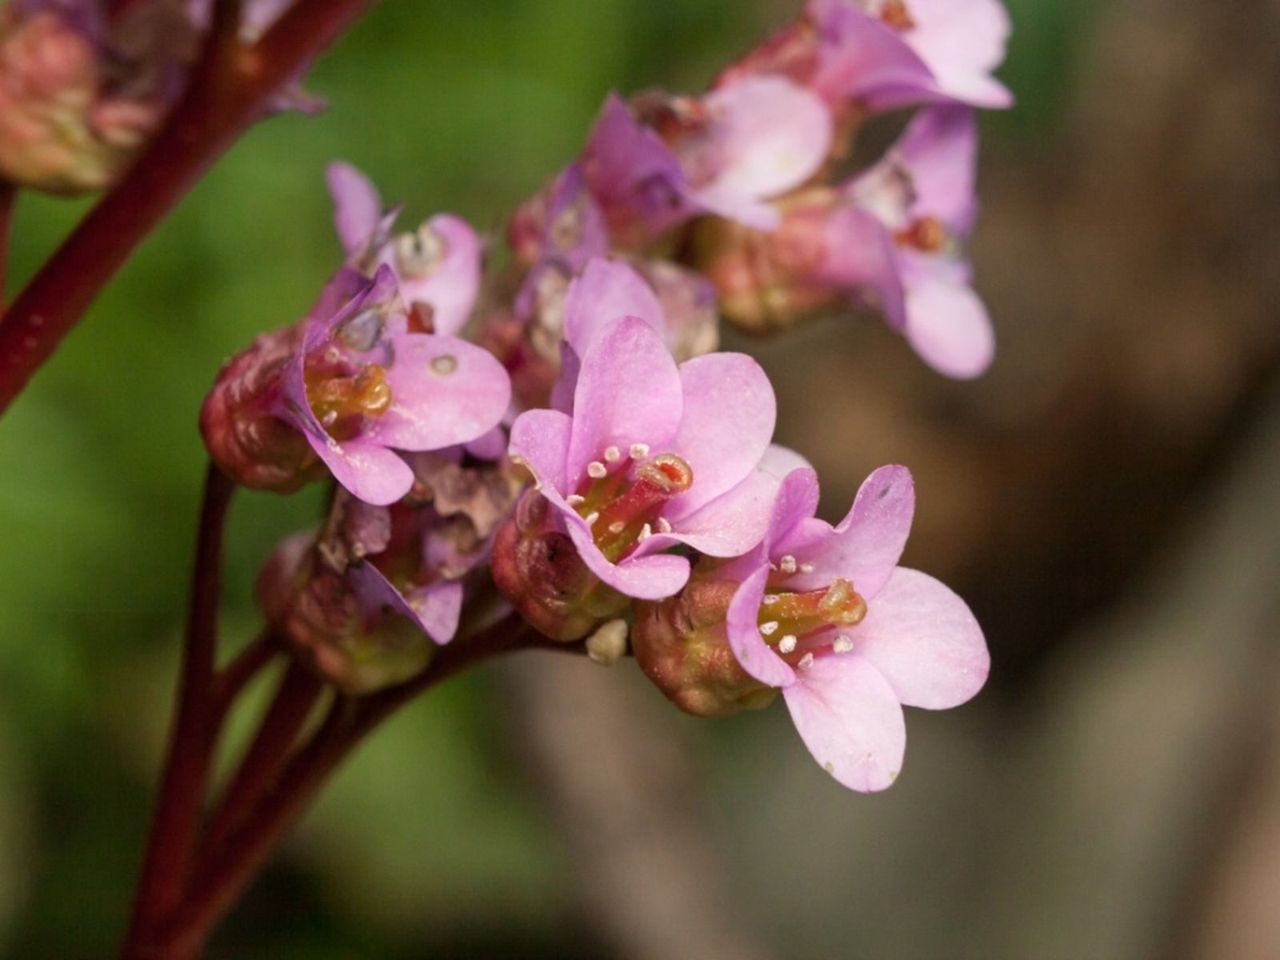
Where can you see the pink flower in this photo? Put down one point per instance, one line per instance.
(437, 265)
(827, 615)
(898, 235)
(361, 385)
(653, 456)
(728, 154)
(894, 53)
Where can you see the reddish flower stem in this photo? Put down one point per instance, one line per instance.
(235, 676)
(8, 197)
(233, 864)
(230, 88)
(195, 728)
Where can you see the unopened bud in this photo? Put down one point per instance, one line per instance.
(682, 645)
(608, 644)
(539, 571)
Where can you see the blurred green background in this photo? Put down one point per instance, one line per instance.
(443, 839)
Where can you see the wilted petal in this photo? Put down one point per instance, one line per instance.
(444, 391)
(629, 391)
(850, 719)
(438, 608)
(925, 641)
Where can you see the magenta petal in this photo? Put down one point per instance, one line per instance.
(925, 641)
(860, 257)
(444, 391)
(940, 149)
(357, 206)
(729, 414)
(540, 439)
(606, 291)
(450, 288)
(867, 543)
(645, 578)
(850, 719)
(754, 655)
(369, 470)
(628, 392)
(859, 57)
(437, 608)
(772, 134)
(797, 500)
(948, 326)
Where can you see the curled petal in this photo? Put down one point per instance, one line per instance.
(643, 577)
(925, 641)
(850, 719)
(357, 206)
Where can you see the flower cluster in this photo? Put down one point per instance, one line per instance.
(558, 434)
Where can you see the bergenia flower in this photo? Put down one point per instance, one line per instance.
(437, 266)
(827, 615)
(362, 385)
(727, 153)
(899, 233)
(654, 456)
(887, 54)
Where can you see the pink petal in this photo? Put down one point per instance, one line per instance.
(438, 608)
(925, 641)
(606, 291)
(778, 461)
(860, 56)
(451, 286)
(357, 206)
(444, 391)
(959, 38)
(867, 543)
(643, 577)
(773, 135)
(369, 470)
(754, 655)
(540, 438)
(860, 257)
(729, 414)
(940, 149)
(629, 391)
(729, 525)
(948, 327)
(850, 719)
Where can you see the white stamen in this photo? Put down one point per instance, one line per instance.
(787, 564)
(639, 451)
(592, 517)
(842, 644)
(806, 568)
(664, 525)
(596, 470)
(575, 499)
(806, 661)
(769, 599)
(612, 454)
(617, 526)
(645, 533)
(770, 628)
(788, 643)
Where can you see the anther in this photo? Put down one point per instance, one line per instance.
(592, 517)
(645, 533)
(664, 525)
(612, 454)
(575, 499)
(769, 599)
(639, 451)
(842, 644)
(596, 470)
(788, 643)
(769, 628)
(787, 564)
(617, 527)
(806, 568)
(806, 661)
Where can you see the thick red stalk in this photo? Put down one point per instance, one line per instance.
(195, 728)
(230, 88)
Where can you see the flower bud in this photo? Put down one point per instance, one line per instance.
(539, 571)
(61, 130)
(769, 281)
(241, 430)
(682, 646)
